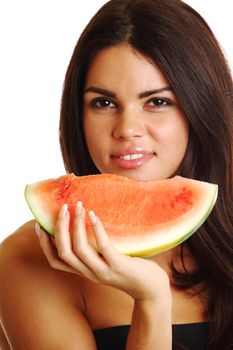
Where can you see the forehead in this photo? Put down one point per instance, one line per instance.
(123, 64)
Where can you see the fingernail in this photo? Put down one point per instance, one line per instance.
(63, 211)
(79, 206)
(37, 229)
(92, 217)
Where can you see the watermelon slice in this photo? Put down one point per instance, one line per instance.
(143, 218)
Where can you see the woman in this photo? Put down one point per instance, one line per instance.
(147, 81)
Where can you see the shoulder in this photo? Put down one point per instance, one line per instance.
(23, 236)
(19, 247)
(22, 263)
(37, 301)
(21, 250)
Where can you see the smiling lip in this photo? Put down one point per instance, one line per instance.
(132, 158)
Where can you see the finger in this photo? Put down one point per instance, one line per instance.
(63, 220)
(53, 241)
(81, 246)
(64, 245)
(50, 252)
(103, 242)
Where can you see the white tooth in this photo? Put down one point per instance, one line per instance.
(136, 156)
(131, 156)
(127, 157)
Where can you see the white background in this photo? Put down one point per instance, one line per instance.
(37, 38)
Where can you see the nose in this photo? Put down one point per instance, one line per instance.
(128, 125)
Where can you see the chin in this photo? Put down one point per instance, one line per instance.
(140, 175)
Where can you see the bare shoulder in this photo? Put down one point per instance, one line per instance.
(39, 305)
(22, 240)
(20, 250)
(21, 257)
(24, 266)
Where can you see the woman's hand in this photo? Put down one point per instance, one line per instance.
(142, 279)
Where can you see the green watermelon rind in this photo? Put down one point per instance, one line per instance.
(44, 223)
(143, 250)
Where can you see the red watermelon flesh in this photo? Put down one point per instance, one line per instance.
(142, 218)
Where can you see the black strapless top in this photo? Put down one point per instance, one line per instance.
(190, 336)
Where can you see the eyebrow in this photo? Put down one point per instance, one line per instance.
(108, 93)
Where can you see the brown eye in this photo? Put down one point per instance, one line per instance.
(102, 103)
(159, 102)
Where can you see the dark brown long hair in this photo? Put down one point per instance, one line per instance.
(175, 37)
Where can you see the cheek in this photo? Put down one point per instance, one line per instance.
(90, 129)
(171, 133)
(182, 134)
(95, 135)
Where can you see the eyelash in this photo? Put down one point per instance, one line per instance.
(94, 103)
(105, 103)
(160, 102)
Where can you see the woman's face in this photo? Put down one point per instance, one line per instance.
(132, 120)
